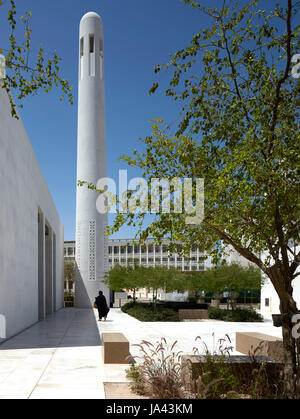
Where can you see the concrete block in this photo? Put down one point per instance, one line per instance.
(115, 348)
(242, 366)
(191, 314)
(264, 345)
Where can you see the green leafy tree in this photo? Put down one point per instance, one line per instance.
(239, 130)
(232, 278)
(161, 277)
(154, 278)
(130, 277)
(69, 271)
(24, 74)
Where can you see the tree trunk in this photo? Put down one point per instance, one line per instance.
(154, 299)
(291, 369)
(288, 307)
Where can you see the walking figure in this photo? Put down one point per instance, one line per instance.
(102, 307)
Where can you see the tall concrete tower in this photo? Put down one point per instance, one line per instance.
(91, 242)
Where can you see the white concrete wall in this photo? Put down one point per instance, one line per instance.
(23, 192)
(268, 293)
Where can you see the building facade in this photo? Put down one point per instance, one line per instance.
(124, 251)
(31, 232)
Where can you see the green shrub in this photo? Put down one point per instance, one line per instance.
(145, 313)
(68, 297)
(236, 315)
(216, 313)
(216, 374)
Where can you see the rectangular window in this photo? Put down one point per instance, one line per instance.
(92, 43)
(116, 250)
(101, 58)
(92, 61)
(81, 58)
(267, 302)
(109, 250)
(129, 249)
(81, 47)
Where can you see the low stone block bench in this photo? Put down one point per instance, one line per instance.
(193, 314)
(260, 344)
(115, 348)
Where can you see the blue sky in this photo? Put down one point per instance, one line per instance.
(138, 34)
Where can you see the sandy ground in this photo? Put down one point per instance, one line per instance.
(120, 391)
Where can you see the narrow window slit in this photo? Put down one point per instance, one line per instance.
(81, 47)
(92, 42)
(92, 55)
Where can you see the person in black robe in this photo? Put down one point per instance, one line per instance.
(102, 306)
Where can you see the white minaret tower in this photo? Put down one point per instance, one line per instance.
(91, 242)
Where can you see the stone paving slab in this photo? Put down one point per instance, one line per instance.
(58, 358)
(61, 357)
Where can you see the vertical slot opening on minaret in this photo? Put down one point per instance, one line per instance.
(101, 51)
(81, 57)
(81, 47)
(92, 43)
(92, 63)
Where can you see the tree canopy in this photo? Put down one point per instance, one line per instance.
(239, 130)
(222, 278)
(25, 74)
(69, 271)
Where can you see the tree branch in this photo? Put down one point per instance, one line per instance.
(284, 77)
(242, 250)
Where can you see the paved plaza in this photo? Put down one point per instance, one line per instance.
(61, 357)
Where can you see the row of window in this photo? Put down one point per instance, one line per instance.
(69, 251)
(158, 259)
(91, 45)
(143, 249)
(116, 250)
